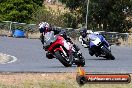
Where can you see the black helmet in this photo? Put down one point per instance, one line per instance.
(83, 32)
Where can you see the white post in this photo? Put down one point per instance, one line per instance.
(10, 27)
(87, 14)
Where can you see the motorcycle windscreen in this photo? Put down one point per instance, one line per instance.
(92, 37)
(49, 38)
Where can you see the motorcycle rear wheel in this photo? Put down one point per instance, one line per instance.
(62, 59)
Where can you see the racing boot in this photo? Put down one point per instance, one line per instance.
(76, 47)
(49, 55)
(90, 52)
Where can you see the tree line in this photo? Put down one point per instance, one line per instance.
(108, 15)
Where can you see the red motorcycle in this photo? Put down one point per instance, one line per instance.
(62, 50)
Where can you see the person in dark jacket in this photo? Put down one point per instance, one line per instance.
(44, 28)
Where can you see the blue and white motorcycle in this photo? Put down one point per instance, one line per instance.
(100, 47)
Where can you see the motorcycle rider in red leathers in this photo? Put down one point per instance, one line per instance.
(44, 28)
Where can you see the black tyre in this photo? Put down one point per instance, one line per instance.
(65, 61)
(81, 61)
(109, 55)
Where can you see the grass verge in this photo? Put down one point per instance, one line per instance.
(48, 80)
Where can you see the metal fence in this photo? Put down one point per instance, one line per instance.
(114, 38)
(7, 28)
(31, 30)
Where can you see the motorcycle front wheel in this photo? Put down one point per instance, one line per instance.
(64, 60)
(80, 61)
(109, 55)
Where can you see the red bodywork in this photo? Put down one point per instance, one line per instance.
(59, 41)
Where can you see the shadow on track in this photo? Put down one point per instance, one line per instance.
(60, 66)
(97, 59)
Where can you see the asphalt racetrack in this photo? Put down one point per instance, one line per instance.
(31, 58)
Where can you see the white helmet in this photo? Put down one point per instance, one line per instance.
(43, 24)
(47, 25)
